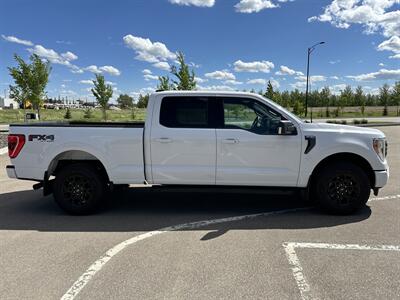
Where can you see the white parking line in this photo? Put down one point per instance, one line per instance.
(385, 198)
(99, 264)
(297, 269)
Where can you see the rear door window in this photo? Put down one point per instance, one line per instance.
(185, 112)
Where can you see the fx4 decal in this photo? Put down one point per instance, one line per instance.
(41, 138)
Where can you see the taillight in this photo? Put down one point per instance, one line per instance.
(15, 144)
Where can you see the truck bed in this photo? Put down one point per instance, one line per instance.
(81, 124)
(117, 146)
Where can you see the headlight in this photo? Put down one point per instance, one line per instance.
(379, 146)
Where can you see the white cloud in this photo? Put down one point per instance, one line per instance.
(88, 81)
(382, 74)
(53, 56)
(275, 83)
(215, 88)
(200, 80)
(104, 69)
(163, 65)
(233, 82)
(93, 69)
(337, 88)
(257, 81)
(69, 56)
(395, 56)
(392, 44)
(147, 72)
(110, 70)
(334, 62)
(373, 15)
(14, 39)
(251, 6)
(302, 80)
(381, 64)
(284, 70)
(148, 77)
(314, 78)
(253, 66)
(64, 42)
(76, 69)
(221, 75)
(148, 51)
(200, 3)
(334, 77)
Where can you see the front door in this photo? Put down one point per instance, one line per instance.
(250, 151)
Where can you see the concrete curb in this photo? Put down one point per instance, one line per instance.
(3, 150)
(378, 125)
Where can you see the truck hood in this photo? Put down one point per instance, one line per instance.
(336, 128)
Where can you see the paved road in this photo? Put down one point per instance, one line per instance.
(44, 252)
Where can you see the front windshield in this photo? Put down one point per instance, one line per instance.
(290, 114)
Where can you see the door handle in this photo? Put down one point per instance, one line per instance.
(230, 141)
(164, 140)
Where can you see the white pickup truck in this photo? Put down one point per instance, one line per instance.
(202, 138)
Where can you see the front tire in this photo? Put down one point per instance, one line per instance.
(341, 188)
(79, 189)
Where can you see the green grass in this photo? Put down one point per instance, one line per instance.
(353, 112)
(8, 116)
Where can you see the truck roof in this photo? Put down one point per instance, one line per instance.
(200, 92)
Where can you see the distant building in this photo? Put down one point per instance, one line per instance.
(8, 103)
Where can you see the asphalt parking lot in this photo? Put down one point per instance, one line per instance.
(152, 244)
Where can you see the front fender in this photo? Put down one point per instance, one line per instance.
(328, 145)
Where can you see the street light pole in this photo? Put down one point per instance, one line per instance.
(309, 51)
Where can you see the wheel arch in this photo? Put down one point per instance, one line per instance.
(344, 157)
(75, 156)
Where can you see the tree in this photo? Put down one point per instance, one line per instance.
(68, 114)
(102, 92)
(359, 99)
(125, 101)
(395, 95)
(164, 84)
(185, 77)
(269, 93)
(30, 81)
(142, 101)
(325, 96)
(88, 113)
(298, 108)
(384, 98)
(345, 98)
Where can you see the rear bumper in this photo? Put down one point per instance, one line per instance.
(381, 178)
(11, 172)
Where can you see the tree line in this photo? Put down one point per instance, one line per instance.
(30, 80)
(347, 97)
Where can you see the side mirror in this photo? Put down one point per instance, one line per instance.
(286, 128)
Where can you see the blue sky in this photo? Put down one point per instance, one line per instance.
(231, 44)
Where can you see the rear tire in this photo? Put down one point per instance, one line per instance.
(341, 188)
(79, 189)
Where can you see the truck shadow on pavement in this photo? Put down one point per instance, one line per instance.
(145, 209)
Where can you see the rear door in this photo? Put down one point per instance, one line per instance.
(183, 141)
(249, 149)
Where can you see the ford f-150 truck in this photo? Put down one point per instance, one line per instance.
(204, 139)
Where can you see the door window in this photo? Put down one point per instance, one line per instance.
(185, 112)
(250, 115)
